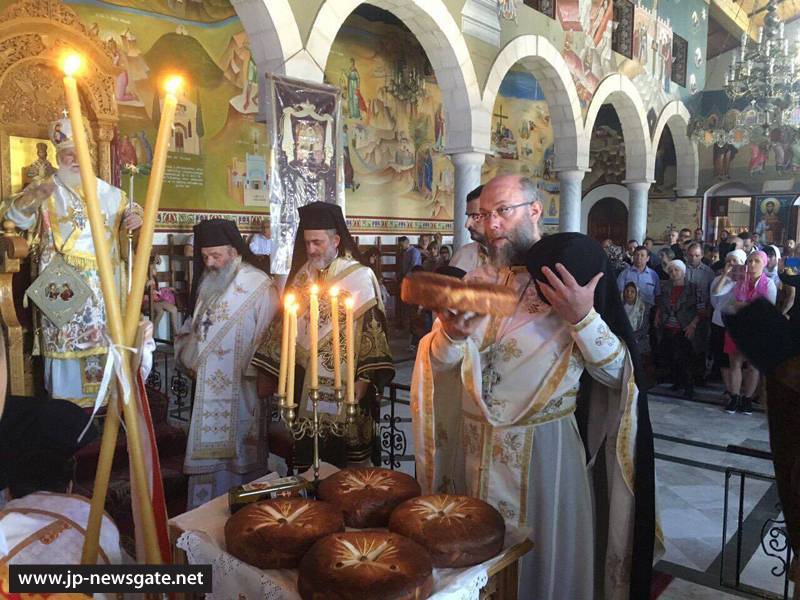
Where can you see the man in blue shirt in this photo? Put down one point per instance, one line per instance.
(644, 277)
(412, 257)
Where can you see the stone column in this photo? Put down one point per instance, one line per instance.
(637, 209)
(467, 178)
(570, 193)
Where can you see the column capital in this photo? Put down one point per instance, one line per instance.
(685, 192)
(575, 174)
(638, 184)
(467, 155)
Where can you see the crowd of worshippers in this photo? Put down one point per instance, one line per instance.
(565, 365)
(678, 298)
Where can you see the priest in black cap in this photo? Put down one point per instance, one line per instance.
(498, 408)
(325, 254)
(232, 303)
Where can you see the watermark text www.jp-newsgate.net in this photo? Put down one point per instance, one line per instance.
(89, 579)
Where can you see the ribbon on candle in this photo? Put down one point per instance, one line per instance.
(113, 366)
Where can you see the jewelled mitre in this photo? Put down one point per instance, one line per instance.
(61, 132)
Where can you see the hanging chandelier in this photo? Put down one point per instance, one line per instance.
(766, 71)
(763, 80)
(407, 83)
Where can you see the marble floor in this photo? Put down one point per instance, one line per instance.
(698, 448)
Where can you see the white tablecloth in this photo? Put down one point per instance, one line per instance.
(203, 540)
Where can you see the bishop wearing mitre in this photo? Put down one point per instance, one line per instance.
(53, 210)
(325, 254)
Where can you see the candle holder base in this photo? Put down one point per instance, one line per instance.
(316, 426)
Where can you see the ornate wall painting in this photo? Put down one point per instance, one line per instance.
(771, 217)
(771, 158)
(664, 214)
(522, 139)
(393, 125)
(217, 158)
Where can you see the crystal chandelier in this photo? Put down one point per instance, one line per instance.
(766, 71)
(764, 81)
(407, 83)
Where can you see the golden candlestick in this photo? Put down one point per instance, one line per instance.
(317, 425)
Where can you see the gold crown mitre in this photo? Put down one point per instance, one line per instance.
(61, 133)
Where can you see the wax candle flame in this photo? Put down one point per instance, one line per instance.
(71, 63)
(334, 292)
(315, 289)
(349, 302)
(288, 300)
(173, 84)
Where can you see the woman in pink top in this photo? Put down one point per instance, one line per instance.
(755, 284)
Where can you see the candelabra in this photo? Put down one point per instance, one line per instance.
(317, 425)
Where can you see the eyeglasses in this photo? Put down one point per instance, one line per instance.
(503, 212)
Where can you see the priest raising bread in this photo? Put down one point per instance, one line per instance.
(325, 254)
(232, 304)
(52, 209)
(494, 404)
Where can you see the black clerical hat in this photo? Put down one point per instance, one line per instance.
(322, 215)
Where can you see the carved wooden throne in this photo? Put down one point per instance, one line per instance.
(33, 36)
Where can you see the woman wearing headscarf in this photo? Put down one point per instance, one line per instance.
(721, 290)
(637, 312)
(755, 284)
(677, 319)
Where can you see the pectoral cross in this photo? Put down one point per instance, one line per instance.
(206, 324)
(65, 113)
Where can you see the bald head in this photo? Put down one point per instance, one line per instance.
(512, 211)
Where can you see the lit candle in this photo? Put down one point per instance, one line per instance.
(287, 304)
(349, 303)
(171, 86)
(292, 317)
(337, 359)
(71, 65)
(313, 325)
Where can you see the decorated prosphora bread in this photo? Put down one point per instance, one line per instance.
(458, 531)
(367, 496)
(436, 292)
(365, 565)
(275, 534)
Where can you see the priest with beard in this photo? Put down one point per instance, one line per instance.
(53, 212)
(539, 413)
(473, 255)
(326, 255)
(231, 303)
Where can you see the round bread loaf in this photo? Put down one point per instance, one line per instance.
(367, 496)
(275, 534)
(365, 565)
(437, 292)
(458, 531)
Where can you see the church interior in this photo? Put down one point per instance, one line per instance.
(237, 143)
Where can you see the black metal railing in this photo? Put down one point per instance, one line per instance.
(165, 378)
(392, 438)
(774, 542)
